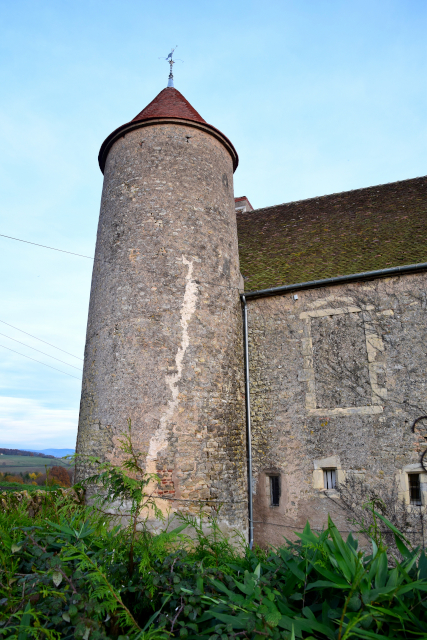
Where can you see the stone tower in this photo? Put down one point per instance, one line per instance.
(164, 335)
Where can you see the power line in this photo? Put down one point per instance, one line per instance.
(71, 253)
(45, 247)
(38, 350)
(50, 345)
(39, 361)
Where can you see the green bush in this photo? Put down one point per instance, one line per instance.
(68, 571)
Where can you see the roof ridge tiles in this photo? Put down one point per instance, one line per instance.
(337, 193)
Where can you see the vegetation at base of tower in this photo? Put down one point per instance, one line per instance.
(72, 570)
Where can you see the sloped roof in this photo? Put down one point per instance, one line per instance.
(169, 103)
(340, 234)
(168, 106)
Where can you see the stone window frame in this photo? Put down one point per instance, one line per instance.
(402, 479)
(332, 462)
(374, 345)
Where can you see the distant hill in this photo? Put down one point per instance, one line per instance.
(42, 453)
(58, 453)
(19, 452)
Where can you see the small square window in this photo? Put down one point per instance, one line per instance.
(414, 488)
(329, 478)
(274, 491)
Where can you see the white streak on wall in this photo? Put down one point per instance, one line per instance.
(159, 439)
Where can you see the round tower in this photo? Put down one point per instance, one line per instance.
(164, 336)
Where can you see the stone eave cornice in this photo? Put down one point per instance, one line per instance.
(131, 126)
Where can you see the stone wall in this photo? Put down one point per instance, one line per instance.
(338, 376)
(164, 338)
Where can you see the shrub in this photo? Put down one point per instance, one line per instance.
(61, 475)
(68, 571)
(10, 478)
(41, 480)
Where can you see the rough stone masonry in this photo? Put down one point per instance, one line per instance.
(164, 342)
(337, 373)
(337, 380)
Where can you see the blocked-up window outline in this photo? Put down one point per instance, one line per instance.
(374, 345)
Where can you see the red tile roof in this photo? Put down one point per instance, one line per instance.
(170, 103)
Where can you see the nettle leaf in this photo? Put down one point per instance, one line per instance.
(272, 618)
(57, 578)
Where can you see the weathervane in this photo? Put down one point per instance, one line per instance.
(171, 63)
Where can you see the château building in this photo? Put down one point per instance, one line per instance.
(321, 302)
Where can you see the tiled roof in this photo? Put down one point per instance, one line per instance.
(344, 233)
(169, 103)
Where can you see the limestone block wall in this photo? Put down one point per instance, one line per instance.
(337, 379)
(164, 336)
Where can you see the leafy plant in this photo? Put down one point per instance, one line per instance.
(71, 570)
(125, 488)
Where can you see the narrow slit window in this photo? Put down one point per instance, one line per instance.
(414, 488)
(274, 491)
(329, 478)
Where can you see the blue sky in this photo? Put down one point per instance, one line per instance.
(317, 96)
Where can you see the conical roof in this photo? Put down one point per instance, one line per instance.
(169, 106)
(169, 103)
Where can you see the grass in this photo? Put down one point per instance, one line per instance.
(17, 487)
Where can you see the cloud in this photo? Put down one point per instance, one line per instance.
(28, 423)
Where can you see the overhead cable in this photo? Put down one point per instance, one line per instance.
(39, 361)
(46, 247)
(38, 350)
(50, 345)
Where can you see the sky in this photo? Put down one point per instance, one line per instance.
(318, 97)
